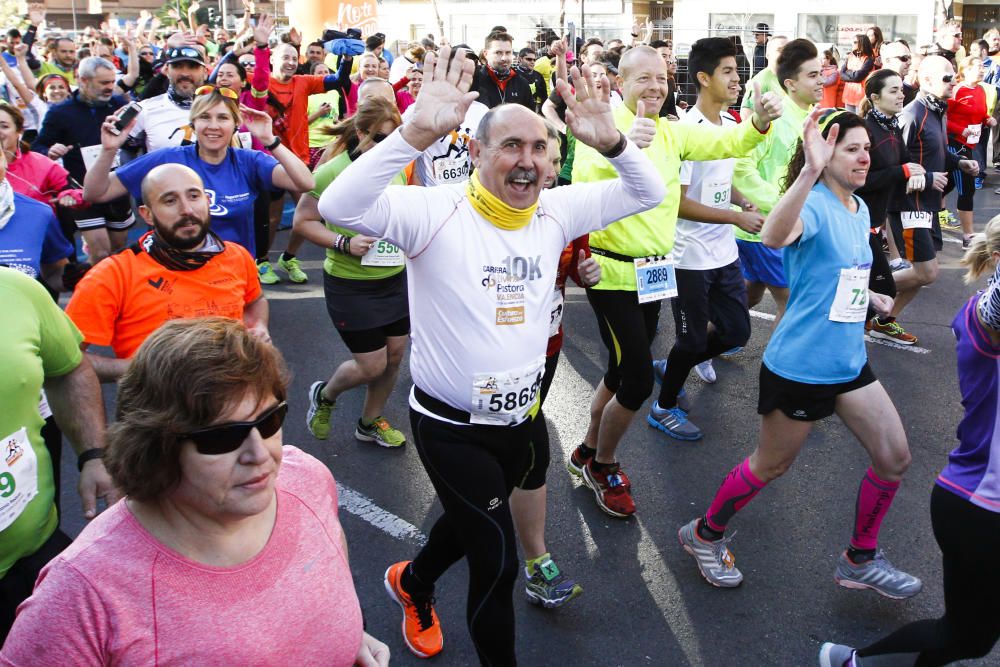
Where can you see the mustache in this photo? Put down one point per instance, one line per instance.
(518, 173)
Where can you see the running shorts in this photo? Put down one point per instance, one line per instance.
(761, 264)
(801, 401)
(917, 245)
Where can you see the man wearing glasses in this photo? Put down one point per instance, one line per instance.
(526, 59)
(949, 41)
(180, 269)
(164, 115)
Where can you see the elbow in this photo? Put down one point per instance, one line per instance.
(770, 239)
(306, 183)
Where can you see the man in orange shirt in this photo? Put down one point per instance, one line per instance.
(178, 270)
(287, 103)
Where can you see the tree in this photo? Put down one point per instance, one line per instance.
(11, 15)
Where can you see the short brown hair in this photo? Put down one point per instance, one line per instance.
(184, 376)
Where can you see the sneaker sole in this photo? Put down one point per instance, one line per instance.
(573, 470)
(824, 655)
(704, 378)
(378, 441)
(600, 502)
(701, 570)
(660, 427)
(391, 590)
(538, 600)
(311, 412)
(858, 586)
(878, 334)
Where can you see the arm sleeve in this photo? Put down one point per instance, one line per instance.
(49, 133)
(340, 79)
(132, 173)
(704, 142)
(262, 166)
(64, 617)
(811, 219)
(261, 74)
(988, 305)
(858, 75)
(59, 339)
(55, 247)
(687, 171)
(96, 302)
(253, 289)
(747, 179)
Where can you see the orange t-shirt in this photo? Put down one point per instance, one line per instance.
(129, 295)
(293, 126)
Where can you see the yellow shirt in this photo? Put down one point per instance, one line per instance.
(652, 232)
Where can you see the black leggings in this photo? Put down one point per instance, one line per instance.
(718, 296)
(262, 224)
(627, 329)
(538, 462)
(17, 584)
(965, 183)
(969, 537)
(474, 469)
(880, 278)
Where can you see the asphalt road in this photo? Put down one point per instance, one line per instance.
(644, 601)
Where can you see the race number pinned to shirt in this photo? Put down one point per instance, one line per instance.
(245, 139)
(655, 278)
(506, 398)
(716, 193)
(850, 304)
(915, 219)
(975, 132)
(555, 318)
(91, 153)
(383, 253)
(18, 476)
(451, 170)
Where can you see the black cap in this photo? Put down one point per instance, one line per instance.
(374, 41)
(762, 27)
(184, 53)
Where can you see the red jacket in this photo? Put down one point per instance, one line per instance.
(967, 108)
(567, 269)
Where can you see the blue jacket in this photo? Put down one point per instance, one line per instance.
(74, 123)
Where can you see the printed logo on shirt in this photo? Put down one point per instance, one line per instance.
(495, 503)
(215, 208)
(506, 283)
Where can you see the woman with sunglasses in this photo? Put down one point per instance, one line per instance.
(967, 117)
(889, 174)
(823, 227)
(364, 281)
(226, 539)
(234, 176)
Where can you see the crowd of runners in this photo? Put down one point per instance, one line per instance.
(455, 190)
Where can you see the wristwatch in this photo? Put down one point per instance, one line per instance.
(274, 144)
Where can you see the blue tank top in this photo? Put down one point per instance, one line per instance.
(972, 472)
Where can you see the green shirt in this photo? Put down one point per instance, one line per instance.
(52, 68)
(652, 232)
(759, 176)
(317, 137)
(37, 341)
(768, 81)
(337, 263)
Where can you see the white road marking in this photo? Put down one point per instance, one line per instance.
(915, 349)
(366, 510)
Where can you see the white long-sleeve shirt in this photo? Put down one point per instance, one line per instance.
(480, 297)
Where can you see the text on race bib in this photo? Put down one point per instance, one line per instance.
(655, 278)
(506, 397)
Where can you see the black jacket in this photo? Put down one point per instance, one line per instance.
(515, 89)
(886, 179)
(926, 138)
(77, 124)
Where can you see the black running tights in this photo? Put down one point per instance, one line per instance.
(473, 469)
(969, 537)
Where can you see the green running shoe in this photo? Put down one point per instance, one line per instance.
(381, 433)
(293, 268)
(318, 414)
(266, 273)
(549, 587)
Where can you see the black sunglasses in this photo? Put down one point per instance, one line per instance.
(225, 438)
(248, 63)
(145, 53)
(903, 59)
(947, 78)
(378, 137)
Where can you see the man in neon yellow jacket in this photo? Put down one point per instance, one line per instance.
(760, 175)
(635, 274)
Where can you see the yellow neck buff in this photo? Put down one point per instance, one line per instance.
(498, 213)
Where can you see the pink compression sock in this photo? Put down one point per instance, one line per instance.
(874, 499)
(738, 488)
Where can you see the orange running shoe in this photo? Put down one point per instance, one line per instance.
(421, 628)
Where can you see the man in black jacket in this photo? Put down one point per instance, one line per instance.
(526, 58)
(496, 81)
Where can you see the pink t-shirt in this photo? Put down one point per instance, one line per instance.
(117, 596)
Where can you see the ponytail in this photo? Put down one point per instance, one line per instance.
(978, 259)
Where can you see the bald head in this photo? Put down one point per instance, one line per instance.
(175, 204)
(500, 120)
(376, 87)
(644, 55)
(936, 76)
(166, 177)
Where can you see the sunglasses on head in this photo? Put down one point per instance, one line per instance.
(225, 438)
(225, 92)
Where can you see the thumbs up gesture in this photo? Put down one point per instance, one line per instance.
(643, 129)
(766, 107)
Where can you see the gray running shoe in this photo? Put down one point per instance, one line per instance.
(706, 371)
(659, 370)
(877, 574)
(549, 587)
(714, 559)
(674, 422)
(837, 655)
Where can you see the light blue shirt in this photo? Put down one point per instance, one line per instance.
(807, 346)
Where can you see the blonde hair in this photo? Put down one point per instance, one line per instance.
(203, 103)
(978, 259)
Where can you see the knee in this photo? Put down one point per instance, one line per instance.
(372, 366)
(394, 356)
(769, 469)
(635, 388)
(737, 333)
(928, 274)
(894, 461)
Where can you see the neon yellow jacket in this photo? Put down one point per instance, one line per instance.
(652, 232)
(758, 176)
